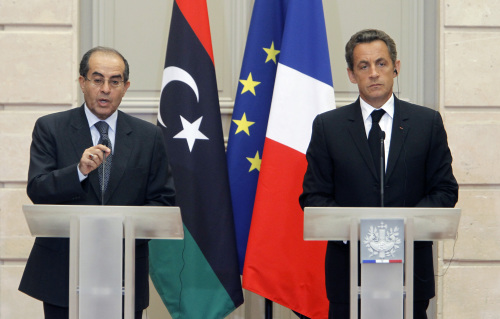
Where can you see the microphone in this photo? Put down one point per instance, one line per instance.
(382, 167)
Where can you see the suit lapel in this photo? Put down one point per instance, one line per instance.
(400, 128)
(122, 149)
(358, 133)
(80, 135)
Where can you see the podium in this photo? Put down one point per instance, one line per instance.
(343, 224)
(102, 242)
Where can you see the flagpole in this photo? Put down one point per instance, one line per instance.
(268, 309)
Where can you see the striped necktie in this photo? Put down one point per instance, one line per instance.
(102, 127)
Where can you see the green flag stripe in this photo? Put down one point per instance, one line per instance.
(193, 282)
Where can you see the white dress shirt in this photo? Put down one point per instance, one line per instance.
(385, 122)
(92, 119)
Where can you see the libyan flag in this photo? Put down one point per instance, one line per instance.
(197, 277)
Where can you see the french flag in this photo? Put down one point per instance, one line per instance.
(279, 264)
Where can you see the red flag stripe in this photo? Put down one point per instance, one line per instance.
(278, 239)
(195, 12)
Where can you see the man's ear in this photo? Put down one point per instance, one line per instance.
(81, 79)
(126, 86)
(397, 66)
(351, 75)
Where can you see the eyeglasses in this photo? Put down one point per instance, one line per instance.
(99, 82)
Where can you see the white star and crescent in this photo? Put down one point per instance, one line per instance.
(191, 131)
(173, 73)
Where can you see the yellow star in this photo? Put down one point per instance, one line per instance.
(249, 84)
(271, 53)
(243, 125)
(255, 162)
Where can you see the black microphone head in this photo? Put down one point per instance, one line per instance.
(382, 135)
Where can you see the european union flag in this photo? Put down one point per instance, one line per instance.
(251, 112)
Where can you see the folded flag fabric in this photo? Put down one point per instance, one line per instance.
(197, 277)
(279, 264)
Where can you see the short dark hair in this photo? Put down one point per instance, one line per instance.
(84, 64)
(367, 36)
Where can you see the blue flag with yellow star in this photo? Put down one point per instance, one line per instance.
(251, 112)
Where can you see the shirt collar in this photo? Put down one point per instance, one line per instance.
(367, 109)
(92, 118)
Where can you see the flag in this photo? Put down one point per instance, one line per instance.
(279, 264)
(251, 112)
(197, 277)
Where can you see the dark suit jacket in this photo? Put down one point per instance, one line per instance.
(140, 175)
(341, 172)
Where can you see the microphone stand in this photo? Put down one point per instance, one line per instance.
(382, 167)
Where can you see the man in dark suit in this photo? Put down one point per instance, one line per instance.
(66, 152)
(342, 172)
